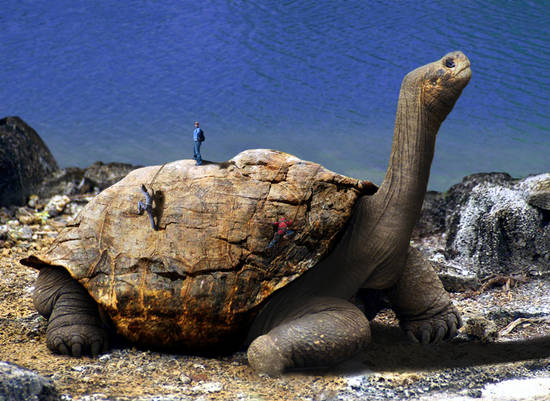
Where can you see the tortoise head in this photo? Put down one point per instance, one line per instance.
(438, 85)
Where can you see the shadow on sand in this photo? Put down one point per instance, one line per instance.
(391, 351)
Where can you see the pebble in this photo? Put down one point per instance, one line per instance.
(13, 223)
(208, 387)
(57, 204)
(185, 379)
(33, 201)
(24, 216)
(354, 382)
(4, 231)
(481, 328)
(21, 233)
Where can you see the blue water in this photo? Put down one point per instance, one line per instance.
(124, 81)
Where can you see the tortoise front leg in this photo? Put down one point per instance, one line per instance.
(74, 324)
(424, 308)
(322, 332)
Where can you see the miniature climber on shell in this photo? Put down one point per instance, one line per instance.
(282, 226)
(147, 206)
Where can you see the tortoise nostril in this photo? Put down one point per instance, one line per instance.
(450, 63)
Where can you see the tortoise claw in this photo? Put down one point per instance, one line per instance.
(439, 335)
(76, 349)
(443, 325)
(77, 340)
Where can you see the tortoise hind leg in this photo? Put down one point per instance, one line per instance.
(322, 332)
(424, 308)
(74, 324)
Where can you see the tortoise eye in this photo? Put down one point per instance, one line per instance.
(449, 63)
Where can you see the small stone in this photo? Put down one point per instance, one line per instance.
(185, 379)
(482, 329)
(21, 233)
(57, 204)
(13, 223)
(475, 393)
(354, 382)
(4, 232)
(33, 201)
(24, 216)
(208, 387)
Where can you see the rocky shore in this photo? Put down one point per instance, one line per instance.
(488, 236)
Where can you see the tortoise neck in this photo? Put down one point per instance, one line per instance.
(401, 194)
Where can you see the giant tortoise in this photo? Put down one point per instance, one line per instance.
(205, 279)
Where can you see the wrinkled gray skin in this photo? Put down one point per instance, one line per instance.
(310, 322)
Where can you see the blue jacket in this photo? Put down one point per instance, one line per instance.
(196, 134)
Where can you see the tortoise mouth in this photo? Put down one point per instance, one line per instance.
(464, 71)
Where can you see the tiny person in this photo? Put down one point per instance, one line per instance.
(198, 138)
(147, 206)
(282, 227)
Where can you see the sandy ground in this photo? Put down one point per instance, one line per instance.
(391, 368)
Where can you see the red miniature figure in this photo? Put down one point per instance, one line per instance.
(282, 227)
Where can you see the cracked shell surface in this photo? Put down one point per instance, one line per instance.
(197, 281)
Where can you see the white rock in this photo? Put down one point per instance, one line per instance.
(517, 389)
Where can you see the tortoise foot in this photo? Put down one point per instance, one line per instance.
(75, 326)
(321, 332)
(442, 326)
(77, 340)
(265, 357)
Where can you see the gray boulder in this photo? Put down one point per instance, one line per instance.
(24, 161)
(75, 180)
(103, 175)
(492, 229)
(19, 384)
(433, 215)
(62, 182)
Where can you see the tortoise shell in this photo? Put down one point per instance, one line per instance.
(199, 278)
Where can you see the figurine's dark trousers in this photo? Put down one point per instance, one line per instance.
(197, 152)
(147, 207)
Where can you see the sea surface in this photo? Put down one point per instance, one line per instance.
(125, 80)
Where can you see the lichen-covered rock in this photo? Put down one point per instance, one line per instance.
(19, 384)
(495, 230)
(198, 280)
(24, 161)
